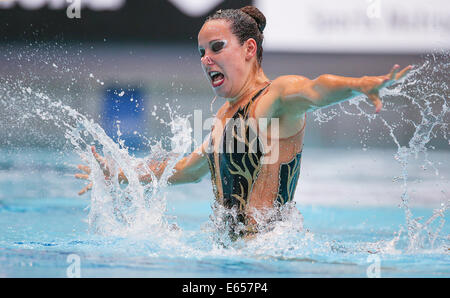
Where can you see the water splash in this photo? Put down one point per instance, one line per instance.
(427, 87)
(426, 92)
(137, 210)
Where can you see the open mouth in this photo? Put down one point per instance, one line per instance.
(217, 78)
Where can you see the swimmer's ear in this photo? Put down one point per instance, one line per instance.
(251, 48)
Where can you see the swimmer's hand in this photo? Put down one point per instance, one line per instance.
(85, 176)
(87, 171)
(371, 85)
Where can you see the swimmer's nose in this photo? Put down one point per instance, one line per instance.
(207, 60)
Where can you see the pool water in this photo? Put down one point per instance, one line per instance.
(360, 211)
(351, 220)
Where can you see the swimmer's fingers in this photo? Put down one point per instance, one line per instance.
(386, 80)
(376, 101)
(97, 156)
(85, 189)
(393, 73)
(87, 170)
(371, 85)
(82, 176)
(101, 161)
(403, 72)
(84, 168)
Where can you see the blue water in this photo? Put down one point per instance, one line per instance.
(349, 214)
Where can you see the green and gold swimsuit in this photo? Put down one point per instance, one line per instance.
(243, 176)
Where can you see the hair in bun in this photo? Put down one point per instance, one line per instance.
(257, 15)
(246, 22)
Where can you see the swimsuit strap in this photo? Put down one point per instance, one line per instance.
(245, 110)
(260, 91)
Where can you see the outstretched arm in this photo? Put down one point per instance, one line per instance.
(189, 169)
(300, 95)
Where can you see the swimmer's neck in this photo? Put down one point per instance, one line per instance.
(255, 81)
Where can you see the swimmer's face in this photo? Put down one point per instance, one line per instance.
(224, 60)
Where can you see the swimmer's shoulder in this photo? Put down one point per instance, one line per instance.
(273, 103)
(289, 84)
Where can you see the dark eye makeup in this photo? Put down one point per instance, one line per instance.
(218, 45)
(215, 46)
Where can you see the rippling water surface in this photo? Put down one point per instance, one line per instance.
(356, 209)
(345, 221)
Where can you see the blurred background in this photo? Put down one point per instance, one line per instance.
(127, 59)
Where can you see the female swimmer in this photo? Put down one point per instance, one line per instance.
(250, 175)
